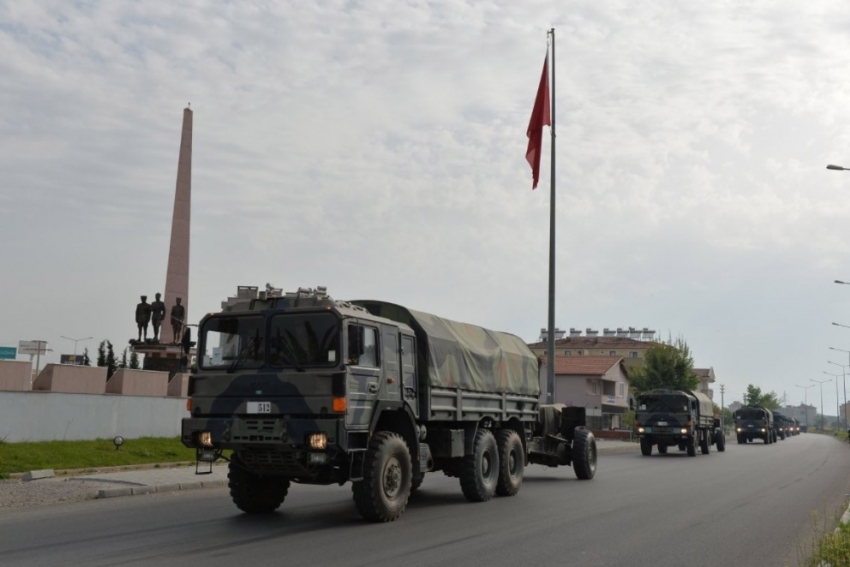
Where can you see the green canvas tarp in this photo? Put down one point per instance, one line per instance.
(459, 355)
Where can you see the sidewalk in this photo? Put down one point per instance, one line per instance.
(148, 481)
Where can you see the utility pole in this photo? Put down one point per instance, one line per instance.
(722, 390)
(806, 403)
(821, 382)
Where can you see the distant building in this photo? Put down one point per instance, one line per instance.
(629, 344)
(706, 377)
(600, 384)
(735, 406)
(802, 413)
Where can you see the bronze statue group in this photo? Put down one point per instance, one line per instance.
(147, 313)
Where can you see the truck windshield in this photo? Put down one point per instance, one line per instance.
(668, 404)
(304, 339)
(749, 414)
(233, 341)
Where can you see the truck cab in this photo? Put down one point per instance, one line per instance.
(679, 418)
(754, 423)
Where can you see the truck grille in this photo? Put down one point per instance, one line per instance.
(272, 461)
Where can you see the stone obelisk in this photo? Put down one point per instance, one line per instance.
(177, 276)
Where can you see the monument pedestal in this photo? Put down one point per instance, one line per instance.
(161, 357)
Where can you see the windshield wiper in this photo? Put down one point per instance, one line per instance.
(243, 354)
(293, 359)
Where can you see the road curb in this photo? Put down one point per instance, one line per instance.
(158, 488)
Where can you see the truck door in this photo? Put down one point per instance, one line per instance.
(364, 373)
(392, 377)
(410, 388)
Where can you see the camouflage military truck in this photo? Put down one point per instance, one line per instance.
(782, 425)
(754, 422)
(677, 418)
(306, 389)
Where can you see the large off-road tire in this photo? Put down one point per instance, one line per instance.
(387, 478)
(774, 437)
(254, 494)
(584, 454)
(645, 447)
(691, 446)
(662, 449)
(767, 438)
(681, 445)
(741, 440)
(480, 471)
(704, 443)
(511, 462)
(781, 435)
(720, 440)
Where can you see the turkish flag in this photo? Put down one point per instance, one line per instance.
(540, 117)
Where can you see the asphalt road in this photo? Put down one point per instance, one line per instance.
(752, 505)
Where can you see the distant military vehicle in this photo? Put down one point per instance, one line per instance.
(782, 425)
(680, 418)
(754, 422)
(303, 388)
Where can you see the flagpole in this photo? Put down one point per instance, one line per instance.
(550, 336)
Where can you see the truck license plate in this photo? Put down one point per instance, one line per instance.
(662, 423)
(259, 407)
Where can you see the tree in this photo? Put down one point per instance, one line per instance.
(665, 365)
(111, 364)
(86, 359)
(134, 361)
(101, 353)
(755, 397)
(123, 363)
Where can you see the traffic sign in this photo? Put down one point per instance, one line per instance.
(8, 353)
(32, 347)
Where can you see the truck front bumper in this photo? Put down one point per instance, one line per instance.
(240, 432)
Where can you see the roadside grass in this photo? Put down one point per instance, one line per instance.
(61, 455)
(828, 547)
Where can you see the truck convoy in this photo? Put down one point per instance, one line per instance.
(680, 418)
(784, 426)
(754, 422)
(303, 388)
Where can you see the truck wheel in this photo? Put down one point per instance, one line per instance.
(704, 443)
(387, 477)
(584, 454)
(662, 449)
(254, 494)
(720, 440)
(681, 445)
(480, 471)
(645, 447)
(741, 440)
(511, 462)
(691, 446)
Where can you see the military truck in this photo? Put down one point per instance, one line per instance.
(677, 418)
(754, 422)
(783, 426)
(303, 388)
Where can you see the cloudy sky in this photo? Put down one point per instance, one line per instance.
(378, 147)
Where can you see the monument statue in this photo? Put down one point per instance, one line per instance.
(157, 315)
(143, 317)
(178, 313)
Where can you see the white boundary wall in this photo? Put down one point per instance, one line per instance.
(49, 416)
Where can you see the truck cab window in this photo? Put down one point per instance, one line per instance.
(363, 346)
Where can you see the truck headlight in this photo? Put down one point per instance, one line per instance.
(762, 429)
(318, 441)
(738, 429)
(204, 438)
(684, 431)
(640, 430)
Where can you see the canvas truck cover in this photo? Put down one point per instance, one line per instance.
(459, 355)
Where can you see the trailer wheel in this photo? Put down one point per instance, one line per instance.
(691, 446)
(584, 454)
(511, 462)
(387, 477)
(662, 449)
(254, 494)
(479, 473)
(704, 443)
(720, 440)
(645, 447)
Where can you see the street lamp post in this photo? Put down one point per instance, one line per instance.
(806, 398)
(845, 379)
(837, 402)
(821, 382)
(76, 341)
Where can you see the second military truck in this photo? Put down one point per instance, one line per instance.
(754, 422)
(677, 418)
(306, 389)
